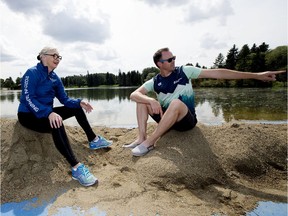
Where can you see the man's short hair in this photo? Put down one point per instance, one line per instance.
(158, 55)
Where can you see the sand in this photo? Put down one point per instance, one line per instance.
(223, 170)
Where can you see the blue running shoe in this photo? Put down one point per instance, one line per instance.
(83, 175)
(100, 143)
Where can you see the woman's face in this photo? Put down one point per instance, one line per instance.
(51, 59)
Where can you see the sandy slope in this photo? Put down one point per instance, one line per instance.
(211, 169)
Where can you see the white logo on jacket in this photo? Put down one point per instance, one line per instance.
(177, 81)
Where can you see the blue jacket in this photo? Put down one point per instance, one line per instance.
(39, 90)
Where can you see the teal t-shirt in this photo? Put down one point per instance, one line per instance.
(176, 86)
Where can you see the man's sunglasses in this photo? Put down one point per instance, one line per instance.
(168, 60)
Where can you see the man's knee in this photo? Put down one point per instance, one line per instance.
(177, 104)
(144, 107)
(178, 108)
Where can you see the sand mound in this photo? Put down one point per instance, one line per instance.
(224, 169)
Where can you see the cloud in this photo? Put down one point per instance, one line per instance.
(78, 58)
(210, 42)
(63, 22)
(204, 10)
(65, 28)
(5, 57)
(165, 2)
(29, 7)
(198, 10)
(6, 53)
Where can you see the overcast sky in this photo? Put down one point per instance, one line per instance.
(112, 35)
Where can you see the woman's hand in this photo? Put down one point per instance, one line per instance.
(86, 106)
(55, 120)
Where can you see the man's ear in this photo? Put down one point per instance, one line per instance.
(159, 64)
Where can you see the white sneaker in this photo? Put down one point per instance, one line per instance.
(141, 150)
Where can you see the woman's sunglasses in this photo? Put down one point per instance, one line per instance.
(55, 56)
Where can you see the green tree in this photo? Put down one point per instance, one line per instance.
(128, 79)
(231, 58)
(124, 81)
(189, 64)
(135, 78)
(150, 70)
(120, 79)
(150, 76)
(276, 59)
(219, 61)
(110, 79)
(256, 62)
(254, 48)
(89, 80)
(1, 82)
(80, 81)
(243, 59)
(263, 47)
(18, 83)
(9, 83)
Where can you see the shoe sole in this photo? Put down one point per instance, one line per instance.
(101, 146)
(139, 155)
(86, 185)
(131, 146)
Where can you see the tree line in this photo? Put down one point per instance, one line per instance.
(254, 59)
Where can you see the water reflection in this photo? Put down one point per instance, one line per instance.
(101, 93)
(112, 106)
(244, 104)
(9, 95)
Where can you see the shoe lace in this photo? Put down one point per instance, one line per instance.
(98, 141)
(85, 171)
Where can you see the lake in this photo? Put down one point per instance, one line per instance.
(113, 108)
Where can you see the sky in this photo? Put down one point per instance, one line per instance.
(99, 36)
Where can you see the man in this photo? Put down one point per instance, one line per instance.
(174, 108)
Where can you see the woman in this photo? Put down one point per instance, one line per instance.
(40, 85)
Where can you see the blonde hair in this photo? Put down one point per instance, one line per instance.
(45, 50)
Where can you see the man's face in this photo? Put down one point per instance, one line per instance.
(167, 62)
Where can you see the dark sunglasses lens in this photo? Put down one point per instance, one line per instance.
(171, 59)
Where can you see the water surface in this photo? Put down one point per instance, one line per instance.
(113, 108)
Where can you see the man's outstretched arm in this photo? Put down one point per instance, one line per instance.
(222, 73)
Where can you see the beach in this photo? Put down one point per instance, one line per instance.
(224, 169)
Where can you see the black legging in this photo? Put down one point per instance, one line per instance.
(42, 125)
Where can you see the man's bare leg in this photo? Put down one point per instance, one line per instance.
(142, 112)
(175, 112)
